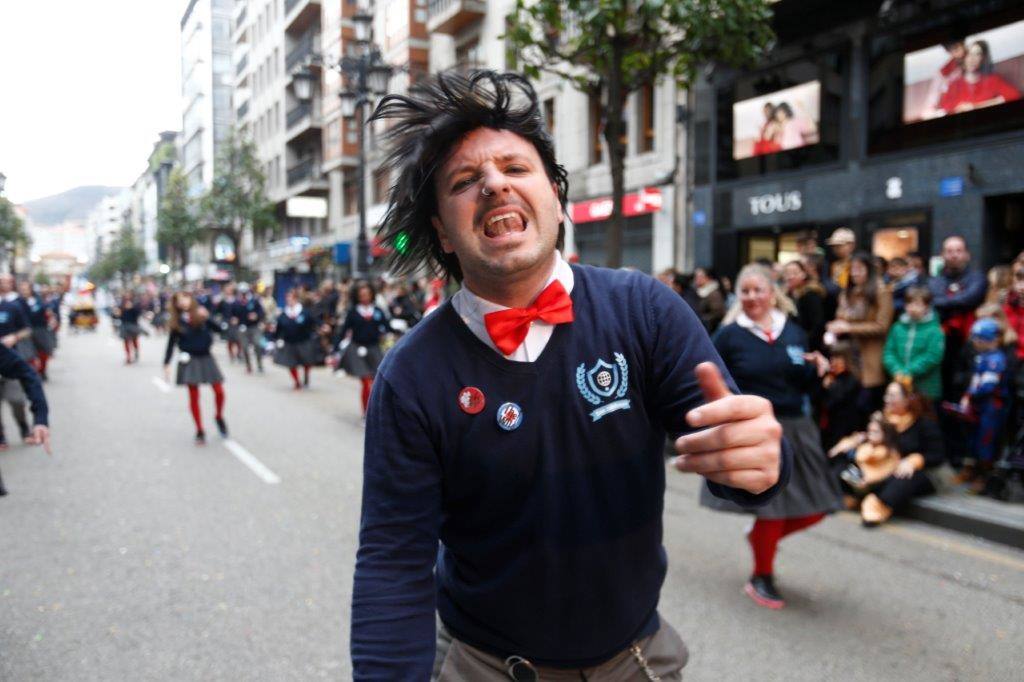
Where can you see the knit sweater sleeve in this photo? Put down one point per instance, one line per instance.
(172, 340)
(13, 367)
(393, 602)
(680, 344)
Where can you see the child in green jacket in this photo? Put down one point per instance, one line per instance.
(914, 347)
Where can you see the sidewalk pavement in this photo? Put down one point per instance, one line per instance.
(958, 510)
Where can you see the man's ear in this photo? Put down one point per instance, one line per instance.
(446, 244)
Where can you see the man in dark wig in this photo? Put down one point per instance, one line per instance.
(522, 423)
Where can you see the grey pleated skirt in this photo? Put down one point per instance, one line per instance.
(44, 340)
(11, 391)
(130, 330)
(812, 489)
(233, 333)
(361, 361)
(296, 354)
(200, 369)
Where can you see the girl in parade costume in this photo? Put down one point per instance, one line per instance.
(40, 319)
(767, 354)
(364, 326)
(249, 311)
(191, 331)
(228, 310)
(294, 334)
(128, 313)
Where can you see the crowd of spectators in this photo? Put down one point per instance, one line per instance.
(922, 385)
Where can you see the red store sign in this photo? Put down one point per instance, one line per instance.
(647, 200)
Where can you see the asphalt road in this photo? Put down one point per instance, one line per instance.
(133, 555)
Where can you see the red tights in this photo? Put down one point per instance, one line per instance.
(193, 402)
(765, 536)
(367, 387)
(130, 343)
(41, 360)
(294, 371)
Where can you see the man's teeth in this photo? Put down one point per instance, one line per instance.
(503, 216)
(504, 223)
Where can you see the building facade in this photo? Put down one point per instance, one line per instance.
(890, 127)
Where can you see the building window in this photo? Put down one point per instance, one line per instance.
(645, 120)
(549, 115)
(467, 55)
(350, 195)
(381, 183)
(594, 129)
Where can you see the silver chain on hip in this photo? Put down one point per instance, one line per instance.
(642, 662)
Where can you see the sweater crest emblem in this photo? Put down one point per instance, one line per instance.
(604, 385)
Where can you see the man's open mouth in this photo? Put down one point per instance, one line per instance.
(502, 223)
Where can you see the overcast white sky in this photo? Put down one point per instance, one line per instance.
(85, 88)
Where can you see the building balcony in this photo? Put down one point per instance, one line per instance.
(299, 15)
(240, 67)
(303, 121)
(239, 35)
(452, 16)
(306, 177)
(306, 46)
(298, 113)
(242, 111)
(240, 19)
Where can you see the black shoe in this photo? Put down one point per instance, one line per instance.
(200, 438)
(761, 588)
(222, 426)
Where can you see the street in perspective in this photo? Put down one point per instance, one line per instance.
(471, 341)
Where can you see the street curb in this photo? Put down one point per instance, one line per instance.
(995, 521)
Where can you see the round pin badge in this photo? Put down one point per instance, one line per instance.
(510, 416)
(471, 400)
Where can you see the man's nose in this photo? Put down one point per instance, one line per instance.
(494, 181)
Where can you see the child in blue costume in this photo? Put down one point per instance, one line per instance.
(988, 392)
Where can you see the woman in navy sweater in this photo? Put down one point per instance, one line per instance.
(128, 313)
(191, 331)
(766, 352)
(296, 344)
(365, 324)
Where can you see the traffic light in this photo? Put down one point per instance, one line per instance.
(402, 243)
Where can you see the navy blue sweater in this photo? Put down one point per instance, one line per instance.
(551, 534)
(13, 317)
(244, 310)
(365, 332)
(776, 371)
(37, 312)
(12, 366)
(294, 329)
(191, 340)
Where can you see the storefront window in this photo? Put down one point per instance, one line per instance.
(894, 242)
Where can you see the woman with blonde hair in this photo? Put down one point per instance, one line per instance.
(191, 332)
(766, 352)
(1000, 281)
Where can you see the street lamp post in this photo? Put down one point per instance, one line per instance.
(366, 76)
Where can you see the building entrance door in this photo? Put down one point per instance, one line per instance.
(1004, 229)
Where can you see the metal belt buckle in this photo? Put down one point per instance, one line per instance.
(520, 669)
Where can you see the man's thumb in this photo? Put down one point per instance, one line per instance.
(712, 385)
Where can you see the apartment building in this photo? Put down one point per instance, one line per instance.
(206, 83)
(469, 34)
(273, 40)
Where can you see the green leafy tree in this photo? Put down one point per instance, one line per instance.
(612, 48)
(12, 232)
(178, 228)
(237, 201)
(124, 259)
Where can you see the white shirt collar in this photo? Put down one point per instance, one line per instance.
(12, 296)
(293, 310)
(472, 308)
(778, 322)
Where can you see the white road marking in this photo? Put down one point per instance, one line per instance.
(247, 458)
(161, 384)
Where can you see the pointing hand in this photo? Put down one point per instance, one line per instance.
(740, 445)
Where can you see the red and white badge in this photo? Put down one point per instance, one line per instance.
(471, 400)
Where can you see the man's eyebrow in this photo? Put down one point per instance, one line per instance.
(504, 158)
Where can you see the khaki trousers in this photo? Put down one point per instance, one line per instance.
(664, 652)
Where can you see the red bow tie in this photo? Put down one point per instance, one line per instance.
(508, 328)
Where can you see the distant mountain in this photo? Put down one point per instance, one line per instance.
(74, 204)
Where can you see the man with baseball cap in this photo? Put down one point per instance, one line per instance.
(843, 243)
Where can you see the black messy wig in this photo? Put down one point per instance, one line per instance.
(427, 124)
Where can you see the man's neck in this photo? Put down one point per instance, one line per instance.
(517, 292)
